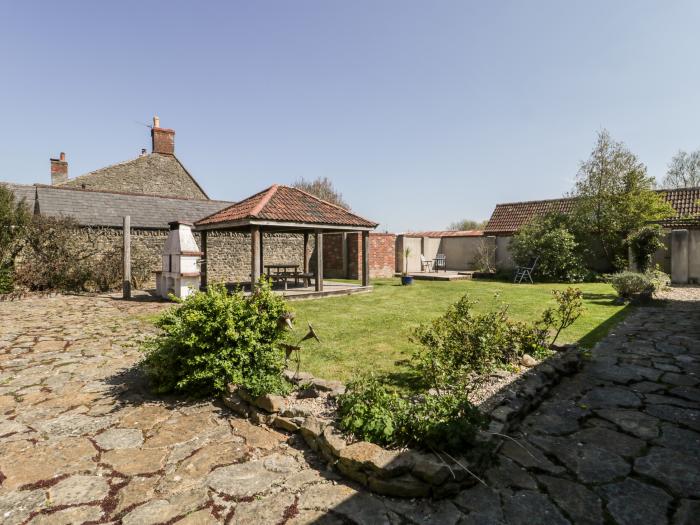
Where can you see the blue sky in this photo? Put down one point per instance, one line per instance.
(421, 113)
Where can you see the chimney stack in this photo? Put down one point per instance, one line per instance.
(163, 139)
(59, 170)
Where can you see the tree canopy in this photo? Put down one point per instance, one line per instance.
(323, 188)
(614, 197)
(683, 170)
(467, 224)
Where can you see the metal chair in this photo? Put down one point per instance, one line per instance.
(521, 272)
(440, 262)
(424, 263)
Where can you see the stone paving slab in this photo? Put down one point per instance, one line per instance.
(83, 441)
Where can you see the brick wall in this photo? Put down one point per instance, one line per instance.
(382, 256)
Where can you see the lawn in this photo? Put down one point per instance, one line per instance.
(370, 332)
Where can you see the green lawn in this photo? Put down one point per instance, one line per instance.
(369, 332)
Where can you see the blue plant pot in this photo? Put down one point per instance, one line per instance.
(406, 280)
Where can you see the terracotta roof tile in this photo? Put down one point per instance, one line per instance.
(280, 203)
(509, 217)
(438, 234)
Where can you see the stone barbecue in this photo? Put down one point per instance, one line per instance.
(181, 256)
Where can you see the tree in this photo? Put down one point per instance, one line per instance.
(322, 187)
(614, 196)
(467, 224)
(683, 171)
(549, 239)
(15, 220)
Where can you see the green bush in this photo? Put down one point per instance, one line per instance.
(644, 243)
(549, 239)
(370, 412)
(214, 338)
(632, 284)
(462, 345)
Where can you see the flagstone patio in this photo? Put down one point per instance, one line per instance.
(82, 440)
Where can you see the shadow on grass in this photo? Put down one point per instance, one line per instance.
(605, 299)
(600, 331)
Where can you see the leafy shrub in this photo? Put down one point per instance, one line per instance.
(549, 239)
(461, 346)
(484, 260)
(15, 218)
(371, 412)
(214, 338)
(630, 284)
(61, 255)
(645, 242)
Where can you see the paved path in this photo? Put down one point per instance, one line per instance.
(81, 440)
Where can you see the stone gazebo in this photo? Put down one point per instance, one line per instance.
(283, 209)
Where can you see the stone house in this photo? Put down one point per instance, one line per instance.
(155, 189)
(682, 249)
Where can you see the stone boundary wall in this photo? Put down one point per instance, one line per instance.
(228, 252)
(401, 473)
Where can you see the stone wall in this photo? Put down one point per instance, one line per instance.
(228, 253)
(153, 174)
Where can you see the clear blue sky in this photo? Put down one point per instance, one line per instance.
(421, 113)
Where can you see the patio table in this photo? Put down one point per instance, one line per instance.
(282, 271)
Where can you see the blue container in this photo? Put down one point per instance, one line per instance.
(406, 280)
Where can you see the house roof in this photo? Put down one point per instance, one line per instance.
(98, 208)
(509, 217)
(137, 175)
(284, 204)
(439, 234)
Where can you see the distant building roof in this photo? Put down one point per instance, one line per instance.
(284, 204)
(445, 233)
(98, 208)
(509, 217)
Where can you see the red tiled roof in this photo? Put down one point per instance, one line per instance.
(510, 217)
(446, 233)
(280, 203)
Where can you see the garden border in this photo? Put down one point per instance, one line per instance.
(402, 473)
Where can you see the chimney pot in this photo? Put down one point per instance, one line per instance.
(59, 170)
(156, 122)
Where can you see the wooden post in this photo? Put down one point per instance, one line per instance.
(254, 256)
(344, 254)
(126, 283)
(318, 234)
(262, 262)
(203, 268)
(365, 258)
(306, 252)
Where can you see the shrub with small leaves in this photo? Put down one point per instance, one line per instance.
(645, 242)
(631, 284)
(214, 338)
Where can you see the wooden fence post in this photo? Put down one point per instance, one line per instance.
(126, 284)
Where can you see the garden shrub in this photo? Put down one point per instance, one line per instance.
(60, 255)
(214, 338)
(644, 243)
(15, 218)
(629, 285)
(549, 239)
(369, 411)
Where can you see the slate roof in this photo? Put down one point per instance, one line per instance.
(439, 234)
(280, 203)
(510, 217)
(98, 208)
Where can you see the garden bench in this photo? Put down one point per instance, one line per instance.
(439, 262)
